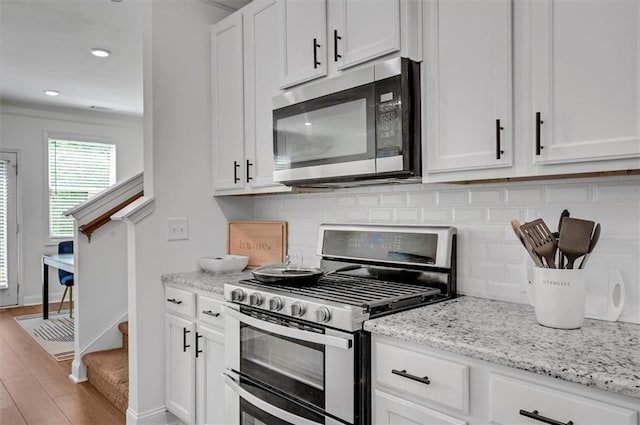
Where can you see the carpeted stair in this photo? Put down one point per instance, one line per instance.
(108, 371)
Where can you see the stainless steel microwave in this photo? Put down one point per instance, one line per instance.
(362, 127)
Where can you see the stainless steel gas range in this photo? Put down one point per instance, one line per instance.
(298, 354)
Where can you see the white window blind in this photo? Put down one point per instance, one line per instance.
(77, 171)
(4, 190)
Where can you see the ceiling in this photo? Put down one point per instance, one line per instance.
(46, 45)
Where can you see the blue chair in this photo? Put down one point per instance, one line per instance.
(66, 278)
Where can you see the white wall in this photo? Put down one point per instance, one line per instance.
(492, 263)
(24, 129)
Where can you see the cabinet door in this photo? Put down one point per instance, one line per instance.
(305, 41)
(263, 56)
(467, 85)
(180, 367)
(362, 30)
(392, 410)
(227, 103)
(585, 79)
(210, 365)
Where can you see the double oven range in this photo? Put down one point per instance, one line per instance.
(298, 354)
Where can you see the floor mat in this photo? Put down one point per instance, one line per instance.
(55, 335)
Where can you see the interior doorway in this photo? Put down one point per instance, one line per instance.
(8, 229)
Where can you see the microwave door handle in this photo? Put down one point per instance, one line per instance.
(293, 333)
(261, 404)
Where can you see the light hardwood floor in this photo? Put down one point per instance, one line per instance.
(35, 389)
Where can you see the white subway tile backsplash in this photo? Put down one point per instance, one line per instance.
(485, 197)
(451, 197)
(491, 261)
(393, 199)
(571, 193)
(407, 215)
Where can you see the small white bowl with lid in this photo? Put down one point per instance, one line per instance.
(223, 264)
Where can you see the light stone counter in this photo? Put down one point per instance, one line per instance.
(601, 354)
(204, 281)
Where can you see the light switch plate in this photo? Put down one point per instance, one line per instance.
(177, 229)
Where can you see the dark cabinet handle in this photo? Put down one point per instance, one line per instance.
(236, 179)
(184, 340)
(249, 164)
(336, 37)
(174, 301)
(210, 313)
(499, 129)
(537, 417)
(539, 122)
(404, 374)
(315, 53)
(198, 351)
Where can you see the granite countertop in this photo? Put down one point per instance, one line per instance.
(604, 355)
(204, 281)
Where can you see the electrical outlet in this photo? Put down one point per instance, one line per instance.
(177, 229)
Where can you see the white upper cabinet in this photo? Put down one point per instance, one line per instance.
(362, 30)
(305, 41)
(467, 85)
(227, 125)
(263, 56)
(585, 65)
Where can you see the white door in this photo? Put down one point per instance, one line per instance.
(305, 41)
(362, 30)
(8, 229)
(180, 361)
(227, 104)
(467, 85)
(392, 410)
(585, 80)
(210, 365)
(263, 58)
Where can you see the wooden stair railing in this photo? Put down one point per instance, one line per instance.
(96, 223)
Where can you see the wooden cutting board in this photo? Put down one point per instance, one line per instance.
(264, 242)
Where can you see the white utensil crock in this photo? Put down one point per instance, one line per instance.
(558, 296)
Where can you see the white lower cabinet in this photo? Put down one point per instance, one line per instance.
(414, 384)
(194, 348)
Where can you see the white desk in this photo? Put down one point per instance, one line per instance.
(58, 261)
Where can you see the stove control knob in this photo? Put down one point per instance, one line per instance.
(255, 299)
(323, 315)
(237, 295)
(297, 309)
(275, 304)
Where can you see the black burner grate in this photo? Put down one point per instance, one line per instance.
(362, 292)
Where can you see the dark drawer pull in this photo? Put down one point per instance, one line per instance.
(236, 179)
(198, 351)
(315, 53)
(249, 164)
(499, 128)
(539, 122)
(173, 300)
(210, 313)
(184, 340)
(404, 374)
(537, 417)
(336, 37)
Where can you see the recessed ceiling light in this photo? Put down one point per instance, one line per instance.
(101, 53)
(51, 92)
(308, 123)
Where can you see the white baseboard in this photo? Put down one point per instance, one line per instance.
(78, 371)
(37, 299)
(158, 416)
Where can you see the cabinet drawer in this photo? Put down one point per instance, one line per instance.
(510, 397)
(448, 382)
(391, 410)
(180, 301)
(210, 311)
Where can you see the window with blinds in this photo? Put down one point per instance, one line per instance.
(77, 171)
(4, 206)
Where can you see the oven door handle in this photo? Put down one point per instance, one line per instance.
(261, 404)
(293, 333)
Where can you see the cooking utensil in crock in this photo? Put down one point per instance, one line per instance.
(592, 244)
(563, 214)
(575, 238)
(287, 275)
(515, 225)
(542, 240)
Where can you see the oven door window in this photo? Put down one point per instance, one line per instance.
(252, 415)
(292, 366)
(327, 130)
